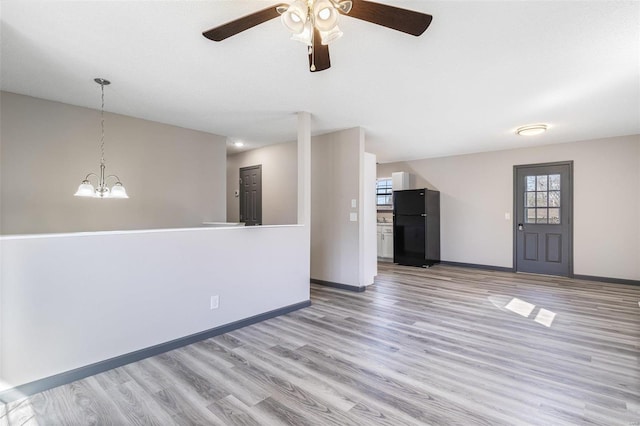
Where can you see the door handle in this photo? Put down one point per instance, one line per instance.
(520, 227)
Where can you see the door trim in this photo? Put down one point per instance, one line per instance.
(514, 195)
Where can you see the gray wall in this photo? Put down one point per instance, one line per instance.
(335, 181)
(476, 192)
(174, 176)
(279, 182)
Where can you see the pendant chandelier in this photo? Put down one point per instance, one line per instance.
(86, 189)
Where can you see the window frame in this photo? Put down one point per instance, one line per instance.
(541, 196)
(384, 191)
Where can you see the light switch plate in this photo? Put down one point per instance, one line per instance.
(353, 217)
(507, 216)
(353, 203)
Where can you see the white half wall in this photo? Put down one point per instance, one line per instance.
(279, 182)
(70, 300)
(477, 190)
(176, 177)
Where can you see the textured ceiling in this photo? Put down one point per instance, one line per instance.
(481, 70)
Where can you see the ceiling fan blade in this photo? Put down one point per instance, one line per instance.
(319, 58)
(407, 21)
(241, 24)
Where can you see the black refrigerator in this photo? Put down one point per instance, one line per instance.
(416, 227)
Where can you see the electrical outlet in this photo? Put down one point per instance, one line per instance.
(215, 302)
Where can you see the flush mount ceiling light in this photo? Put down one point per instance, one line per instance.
(238, 144)
(315, 23)
(86, 189)
(532, 129)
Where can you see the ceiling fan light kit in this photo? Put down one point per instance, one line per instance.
(315, 23)
(294, 16)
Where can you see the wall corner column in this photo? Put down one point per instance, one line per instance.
(304, 169)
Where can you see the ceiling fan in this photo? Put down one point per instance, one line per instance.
(315, 23)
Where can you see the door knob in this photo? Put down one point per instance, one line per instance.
(520, 227)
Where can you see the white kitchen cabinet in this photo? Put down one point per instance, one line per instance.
(401, 181)
(385, 241)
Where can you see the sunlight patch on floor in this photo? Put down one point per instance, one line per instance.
(18, 413)
(545, 317)
(15, 410)
(520, 307)
(523, 308)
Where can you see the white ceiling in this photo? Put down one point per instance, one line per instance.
(479, 71)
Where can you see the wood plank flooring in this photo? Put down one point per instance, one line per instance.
(440, 346)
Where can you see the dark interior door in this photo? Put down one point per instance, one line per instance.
(544, 214)
(251, 195)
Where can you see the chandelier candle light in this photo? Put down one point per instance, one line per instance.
(86, 189)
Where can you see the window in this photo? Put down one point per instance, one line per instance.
(384, 192)
(542, 199)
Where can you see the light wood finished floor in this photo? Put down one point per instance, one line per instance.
(437, 346)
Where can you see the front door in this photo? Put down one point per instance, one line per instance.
(251, 195)
(543, 196)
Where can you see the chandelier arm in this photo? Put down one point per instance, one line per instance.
(90, 174)
(114, 176)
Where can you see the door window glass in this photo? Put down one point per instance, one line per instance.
(542, 183)
(542, 199)
(531, 199)
(531, 183)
